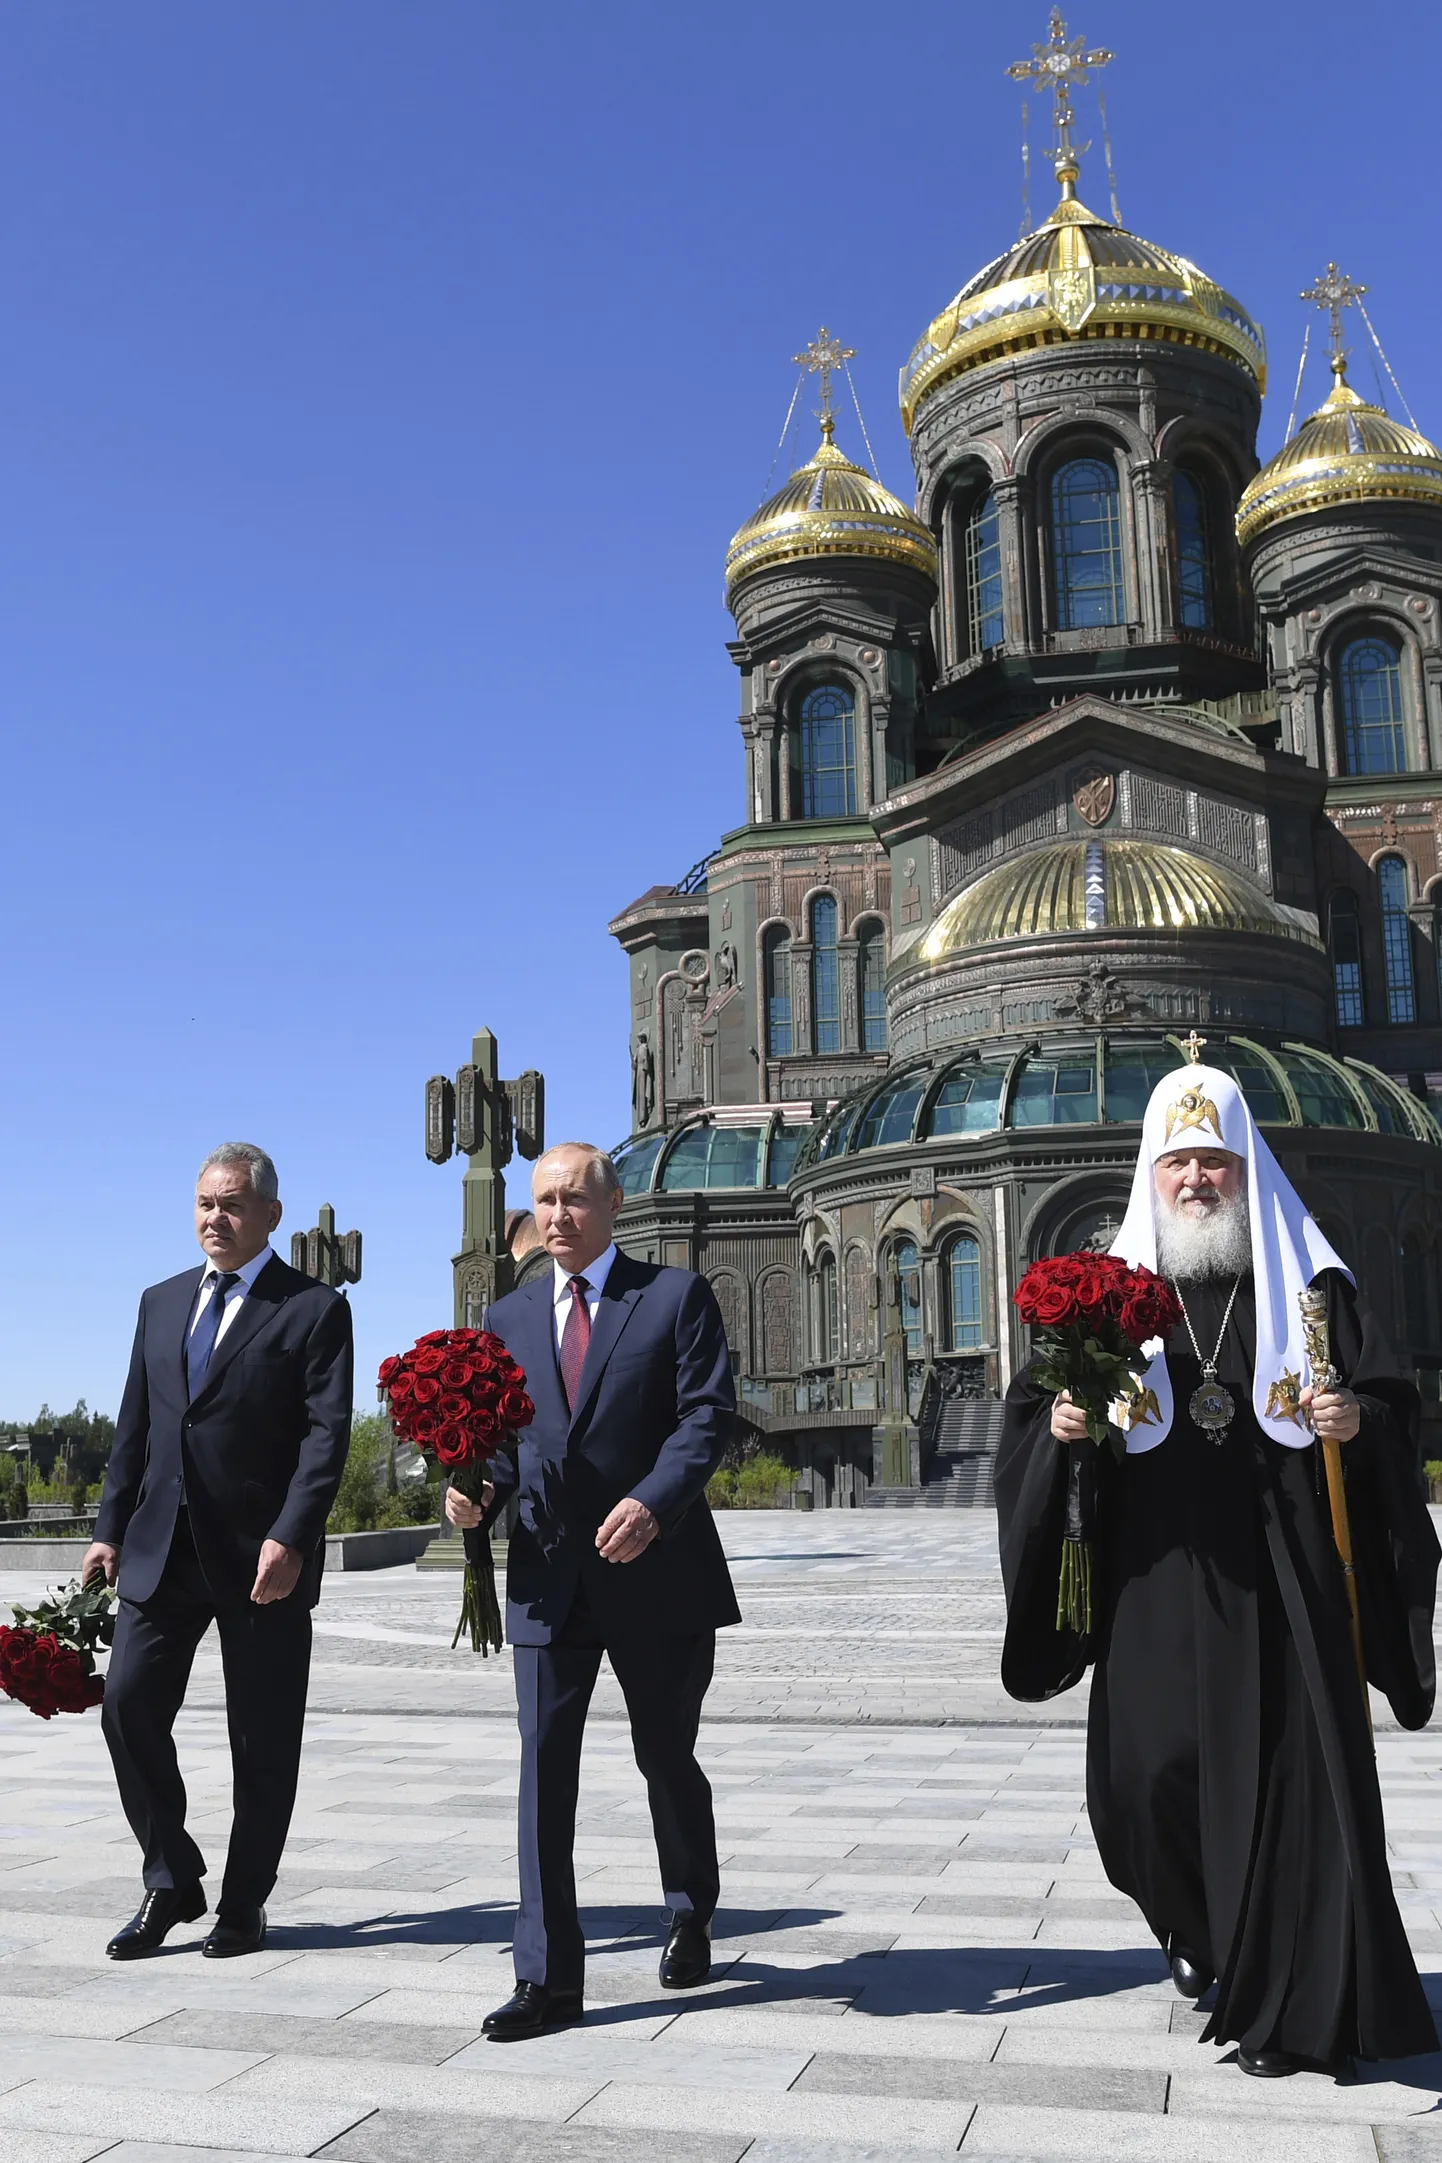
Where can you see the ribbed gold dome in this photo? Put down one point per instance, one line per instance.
(1079, 277)
(830, 507)
(1346, 452)
(1102, 886)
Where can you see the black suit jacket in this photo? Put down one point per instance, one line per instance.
(655, 1412)
(257, 1456)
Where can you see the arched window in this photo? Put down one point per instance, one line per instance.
(986, 624)
(825, 977)
(1344, 938)
(828, 754)
(963, 1285)
(779, 1040)
(1086, 530)
(1194, 565)
(908, 1266)
(871, 969)
(1369, 684)
(824, 1311)
(1397, 940)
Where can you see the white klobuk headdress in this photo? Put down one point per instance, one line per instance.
(1200, 1107)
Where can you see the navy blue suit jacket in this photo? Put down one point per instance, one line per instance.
(258, 1455)
(655, 1413)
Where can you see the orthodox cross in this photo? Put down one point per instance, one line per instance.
(1334, 291)
(1060, 65)
(824, 357)
(331, 1257)
(486, 1120)
(1194, 1046)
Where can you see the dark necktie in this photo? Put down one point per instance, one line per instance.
(200, 1344)
(575, 1338)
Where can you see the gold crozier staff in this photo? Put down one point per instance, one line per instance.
(1313, 1304)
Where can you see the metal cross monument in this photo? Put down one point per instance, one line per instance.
(486, 1119)
(334, 1258)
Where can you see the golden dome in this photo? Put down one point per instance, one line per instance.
(830, 507)
(1079, 277)
(1346, 452)
(1104, 886)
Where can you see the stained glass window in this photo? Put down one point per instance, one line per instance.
(986, 624)
(963, 1276)
(1397, 940)
(825, 976)
(1194, 569)
(828, 754)
(871, 964)
(1369, 676)
(1345, 938)
(778, 994)
(1086, 531)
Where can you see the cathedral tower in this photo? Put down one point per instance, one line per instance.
(1342, 536)
(1083, 418)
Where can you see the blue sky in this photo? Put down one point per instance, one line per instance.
(380, 382)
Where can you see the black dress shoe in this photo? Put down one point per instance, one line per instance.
(158, 1913)
(533, 2008)
(1190, 1977)
(686, 1961)
(237, 1930)
(1270, 2064)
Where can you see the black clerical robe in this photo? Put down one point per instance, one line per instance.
(1231, 1781)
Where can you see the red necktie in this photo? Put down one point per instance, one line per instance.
(575, 1339)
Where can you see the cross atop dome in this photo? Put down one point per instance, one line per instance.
(1334, 291)
(1061, 65)
(825, 356)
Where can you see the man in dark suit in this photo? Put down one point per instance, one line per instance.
(229, 1447)
(614, 1550)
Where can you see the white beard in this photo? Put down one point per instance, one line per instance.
(1216, 1242)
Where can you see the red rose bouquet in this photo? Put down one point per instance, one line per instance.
(1090, 1316)
(47, 1661)
(455, 1395)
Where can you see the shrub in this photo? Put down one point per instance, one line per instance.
(759, 1482)
(354, 1508)
(370, 1499)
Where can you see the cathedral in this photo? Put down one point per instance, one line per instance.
(1109, 738)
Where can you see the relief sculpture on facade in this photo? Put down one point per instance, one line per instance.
(778, 1323)
(858, 1304)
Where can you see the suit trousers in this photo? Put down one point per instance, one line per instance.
(265, 1654)
(663, 1680)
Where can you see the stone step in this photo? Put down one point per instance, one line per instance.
(961, 1479)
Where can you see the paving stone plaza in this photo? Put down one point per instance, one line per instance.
(916, 1952)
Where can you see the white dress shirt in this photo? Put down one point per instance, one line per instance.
(595, 1274)
(235, 1295)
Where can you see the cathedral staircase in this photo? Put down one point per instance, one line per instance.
(960, 1464)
